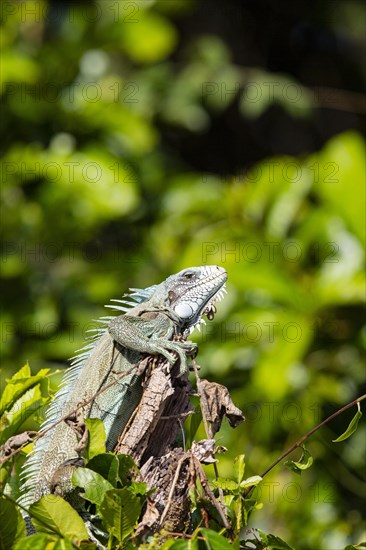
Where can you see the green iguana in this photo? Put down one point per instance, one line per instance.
(152, 317)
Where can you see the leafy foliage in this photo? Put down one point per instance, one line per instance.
(52, 514)
(22, 398)
(13, 526)
(120, 511)
(115, 499)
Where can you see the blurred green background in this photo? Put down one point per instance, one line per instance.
(142, 137)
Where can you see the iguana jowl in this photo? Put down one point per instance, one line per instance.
(151, 319)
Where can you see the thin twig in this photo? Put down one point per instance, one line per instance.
(183, 535)
(176, 416)
(183, 435)
(172, 488)
(205, 423)
(206, 486)
(305, 437)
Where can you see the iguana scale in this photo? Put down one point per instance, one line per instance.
(151, 317)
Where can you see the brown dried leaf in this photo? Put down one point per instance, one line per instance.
(204, 450)
(216, 403)
(76, 422)
(16, 441)
(150, 517)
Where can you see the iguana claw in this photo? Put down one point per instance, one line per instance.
(181, 348)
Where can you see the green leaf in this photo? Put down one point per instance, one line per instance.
(250, 504)
(97, 437)
(127, 469)
(47, 542)
(250, 481)
(239, 467)
(214, 541)
(272, 542)
(304, 463)
(12, 525)
(10, 390)
(18, 384)
(359, 546)
(352, 427)
(5, 472)
(26, 406)
(276, 543)
(120, 511)
(139, 488)
(120, 468)
(106, 465)
(51, 514)
(180, 544)
(240, 516)
(93, 484)
(228, 499)
(10, 476)
(226, 484)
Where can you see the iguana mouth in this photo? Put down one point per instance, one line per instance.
(210, 309)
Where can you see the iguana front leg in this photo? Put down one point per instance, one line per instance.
(148, 336)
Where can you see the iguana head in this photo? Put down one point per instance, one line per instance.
(188, 294)
(193, 292)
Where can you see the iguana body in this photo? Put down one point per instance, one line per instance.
(154, 315)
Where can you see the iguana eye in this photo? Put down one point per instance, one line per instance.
(188, 275)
